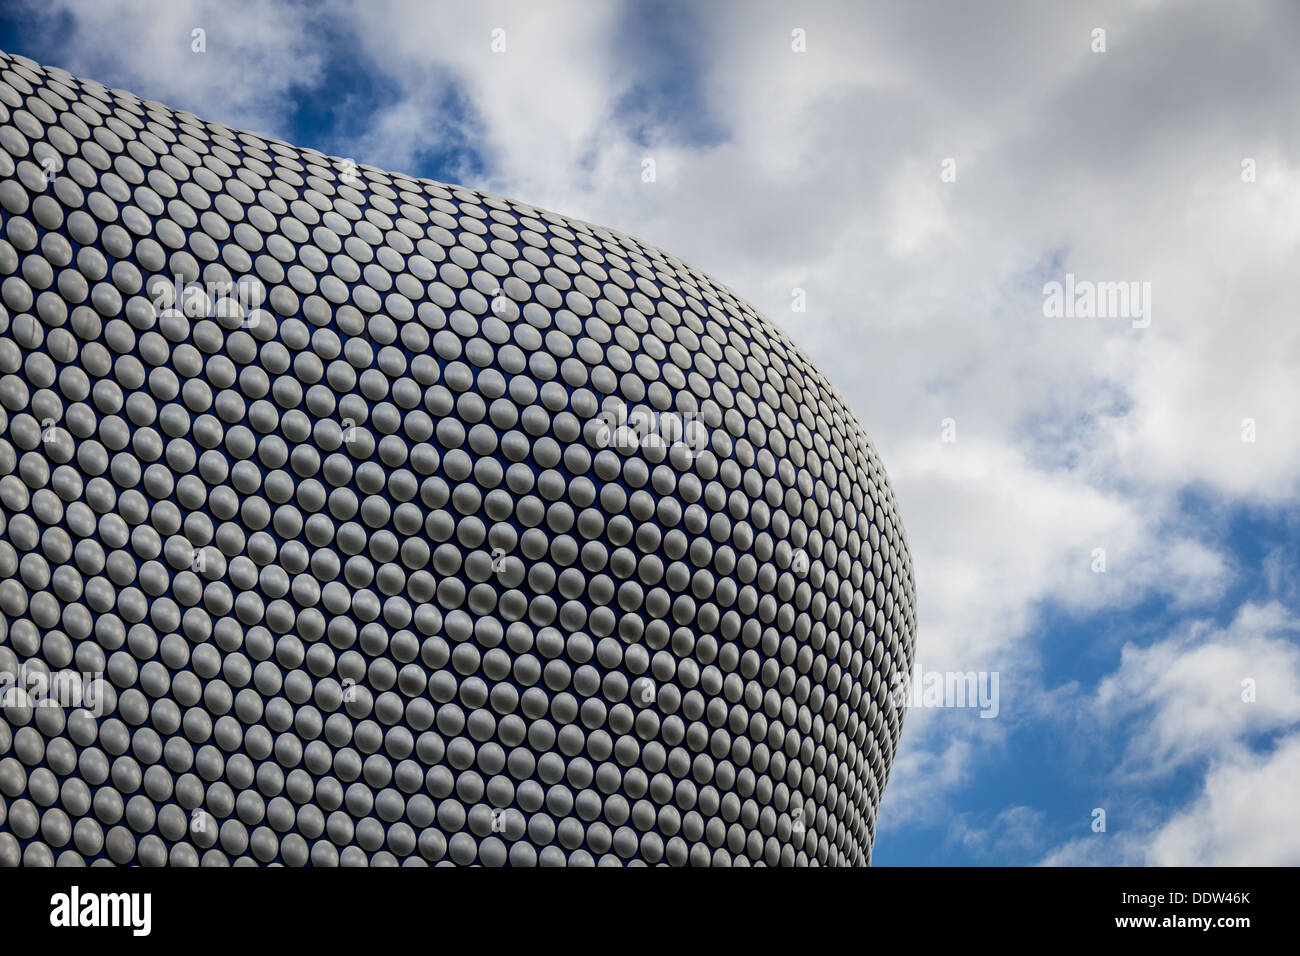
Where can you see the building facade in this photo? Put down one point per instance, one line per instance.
(348, 518)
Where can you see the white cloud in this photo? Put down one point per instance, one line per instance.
(923, 778)
(1244, 815)
(1203, 692)
(258, 53)
(541, 101)
(1013, 832)
(1180, 703)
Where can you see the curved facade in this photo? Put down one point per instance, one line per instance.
(351, 518)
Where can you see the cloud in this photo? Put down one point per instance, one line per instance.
(1180, 704)
(259, 53)
(1244, 815)
(538, 83)
(1204, 693)
(923, 778)
(1012, 833)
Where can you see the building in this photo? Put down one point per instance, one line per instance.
(350, 518)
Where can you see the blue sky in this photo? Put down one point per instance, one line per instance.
(822, 171)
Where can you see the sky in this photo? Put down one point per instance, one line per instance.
(1101, 497)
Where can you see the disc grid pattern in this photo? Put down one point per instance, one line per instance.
(345, 519)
